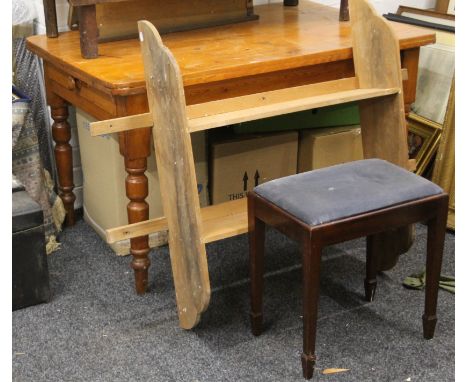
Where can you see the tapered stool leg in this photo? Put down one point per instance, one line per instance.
(257, 250)
(311, 254)
(370, 282)
(435, 248)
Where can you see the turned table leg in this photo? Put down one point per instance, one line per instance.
(410, 61)
(135, 147)
(61, 133)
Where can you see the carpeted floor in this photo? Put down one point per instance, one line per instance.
(96, 329)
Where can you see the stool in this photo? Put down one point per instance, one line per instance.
(339, 203)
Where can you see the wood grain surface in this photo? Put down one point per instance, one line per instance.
(283, 38)
(176, 171)
(377, 63)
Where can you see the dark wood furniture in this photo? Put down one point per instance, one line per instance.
(286, 47)
(107, 20)
(313, 236)
(344, 10)
(50, 17)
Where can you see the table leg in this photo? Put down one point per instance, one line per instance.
(410, 61)
(50, 15)
(344, 10)
(135, 147)
(61, 133)
(89, 31)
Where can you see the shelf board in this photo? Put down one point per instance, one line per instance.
(254, 106)
(218, 222)
(285, 107)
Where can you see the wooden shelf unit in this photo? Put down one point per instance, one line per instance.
(377, 87)
(230, 111)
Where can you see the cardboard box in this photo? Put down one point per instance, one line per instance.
(105, 201)
(326, 147)
(239, 164)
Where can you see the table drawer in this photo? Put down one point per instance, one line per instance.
(99, 104)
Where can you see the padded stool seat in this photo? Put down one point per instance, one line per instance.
(339, 203)
(332, 193)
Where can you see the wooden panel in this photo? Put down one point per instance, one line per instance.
(176, 171)
(377, 64)
(282, 40)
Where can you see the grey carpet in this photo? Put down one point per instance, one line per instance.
(96, 329)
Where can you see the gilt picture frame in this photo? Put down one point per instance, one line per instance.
(423, 140)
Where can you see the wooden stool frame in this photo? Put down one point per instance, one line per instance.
(313, 239)
(377, 87)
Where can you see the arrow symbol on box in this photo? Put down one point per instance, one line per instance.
(256, 177)
(245, 179)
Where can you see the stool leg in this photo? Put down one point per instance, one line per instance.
(257, 250)
(435, 247)
(311, 281)
(370, 282)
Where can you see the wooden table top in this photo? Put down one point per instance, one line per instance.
(282, 38)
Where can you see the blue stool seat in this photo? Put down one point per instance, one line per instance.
(339, 203)
(329, 194)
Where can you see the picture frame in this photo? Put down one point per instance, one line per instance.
(423, 140)
(451, 7)
(445, 6)
(428, 15)
(434, 19)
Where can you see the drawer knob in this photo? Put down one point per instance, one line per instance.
(73, 83)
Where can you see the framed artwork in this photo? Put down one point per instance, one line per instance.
(423, 140)
(445, 6)
(428, 15)
(451, 7)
